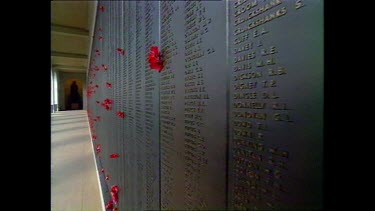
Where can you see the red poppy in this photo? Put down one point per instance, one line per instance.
(100, 38)
(108, 101)
(107, 177)
(98, 148)
(102, 170)
(89, 93)
(101, 7)
(115, 155)
(114, 193)
(109, 206)
(115, 189)
(121, 114)
(154, 59)
(109, 85)
(106, 106)
(94, 137)
(121, 51)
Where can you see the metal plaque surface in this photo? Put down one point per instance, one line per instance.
(193, 105)
(276, 104)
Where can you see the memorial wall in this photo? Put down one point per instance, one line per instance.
(234, 120)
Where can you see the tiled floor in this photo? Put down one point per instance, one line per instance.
(74, 183)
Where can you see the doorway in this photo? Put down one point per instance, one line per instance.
(73, 89)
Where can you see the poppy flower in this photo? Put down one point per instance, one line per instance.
(121, 114)
(101, 7)
(109, 206)
(102, 170)
(109, 85)
(115, 155)
(107, 177)
(121, 51)
(106, 106)
(98, 148)
(115, 189)
(154, 59)
(114, 193)
(100, 38)
(108, 101)
(89, 93)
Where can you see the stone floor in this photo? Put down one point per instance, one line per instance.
(74, 182)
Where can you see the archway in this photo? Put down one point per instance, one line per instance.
(73, 91)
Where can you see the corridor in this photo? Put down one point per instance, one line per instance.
(74, 183)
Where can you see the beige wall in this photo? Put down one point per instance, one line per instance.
(70, 13)
(69, 44)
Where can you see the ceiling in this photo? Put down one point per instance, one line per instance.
(71, 34)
